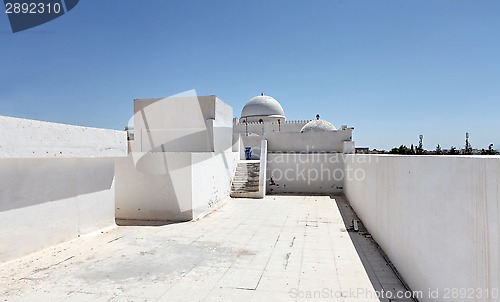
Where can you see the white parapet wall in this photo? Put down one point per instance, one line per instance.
(56, 183)
(22, 138)
(436, 217)
(172, 186)
(154, 186)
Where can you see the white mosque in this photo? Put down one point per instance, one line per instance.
(288, 147)
(263, 117)
(266, 109)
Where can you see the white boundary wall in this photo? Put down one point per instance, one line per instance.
(305, 172)
(436, 217)
(22, 138)
(172, 186)
(56, 183)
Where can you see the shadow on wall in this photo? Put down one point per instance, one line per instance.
(150, 188)
(171, 186)
(29, 182)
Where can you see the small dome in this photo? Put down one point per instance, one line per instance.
(318, 125)
(263, 106)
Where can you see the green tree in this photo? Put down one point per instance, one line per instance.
(490, 151)
(439, 151)
(453, 151)
(403, 150)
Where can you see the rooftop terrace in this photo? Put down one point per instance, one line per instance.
(281, 248)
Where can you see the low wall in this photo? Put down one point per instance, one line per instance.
(305, 172)
(212, 175)
(22, 138)
(436, 217)
(56, 183)
(172, 186)
(154, 186)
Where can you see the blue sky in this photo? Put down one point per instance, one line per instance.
(391, 69)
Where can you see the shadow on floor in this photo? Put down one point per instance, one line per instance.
(127, 222)
(382, 273)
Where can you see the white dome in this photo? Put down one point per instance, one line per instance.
(318, 125)
(263, 106)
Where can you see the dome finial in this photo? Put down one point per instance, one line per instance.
(262, 93)
(317, 116)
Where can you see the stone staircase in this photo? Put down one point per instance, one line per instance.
(246, 179)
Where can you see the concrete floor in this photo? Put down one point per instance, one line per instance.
(282, 248)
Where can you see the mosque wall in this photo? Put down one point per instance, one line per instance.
(309, 142)
(302, 142)
(56, 183)
(269, 127)
(436, 217)
(254, 142)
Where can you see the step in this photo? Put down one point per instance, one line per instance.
(246, 182)
(250, 183)
(247, 170)
(240, 180)
(251, 188)
(246, 179)
(245, 174)
(245, 191)
(244, 188)
(249, 167)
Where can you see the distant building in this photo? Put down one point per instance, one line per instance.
(362, 150)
